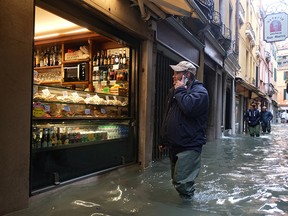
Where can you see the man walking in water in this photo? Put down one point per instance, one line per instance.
(252, 117)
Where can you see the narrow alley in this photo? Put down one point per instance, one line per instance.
(240, 176)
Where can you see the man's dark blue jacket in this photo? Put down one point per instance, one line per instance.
(185, 119)
(266, 116)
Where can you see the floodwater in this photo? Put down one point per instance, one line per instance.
(241, 175)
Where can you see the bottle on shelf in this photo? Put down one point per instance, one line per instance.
(38, 138)
(101, 58)
(37, 58)
(54, 136)
(59, 136)
(109, 58)
(120, 57)
(42, 58)
(45, 138)
(112, 59)
(111, 74)
(98, 59)
(104, 75)
(94, 60)
(105, 60)
(116, 61)
(124, 57)
(59, 56)
(48, 63)
(52, 57)
(50, 134)
(56, 55)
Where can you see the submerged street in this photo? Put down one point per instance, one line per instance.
(241, 175)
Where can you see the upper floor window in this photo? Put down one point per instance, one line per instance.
(285, 75)
(285, 94)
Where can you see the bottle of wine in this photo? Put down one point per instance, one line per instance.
(109, 58)
(124, 57)
(45, 138)
(102, 58)
(95, 60)
(116, 60)
(105, 60)
(120, 57)
(98, 59)
(37, 58)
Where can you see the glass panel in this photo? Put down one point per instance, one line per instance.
(61, 134)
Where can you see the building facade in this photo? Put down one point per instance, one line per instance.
(161, 33)
(222, 38)
(282, 76)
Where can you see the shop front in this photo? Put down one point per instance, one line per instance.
(78, 94)
(84, 109)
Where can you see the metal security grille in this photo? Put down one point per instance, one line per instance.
(162, 85)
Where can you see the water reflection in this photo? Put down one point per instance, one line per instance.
(240, 175)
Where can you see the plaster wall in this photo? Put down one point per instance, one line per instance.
(16, 36)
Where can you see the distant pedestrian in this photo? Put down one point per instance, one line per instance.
(252, 117)
(183, 128)
(266, 117)
(284, 117)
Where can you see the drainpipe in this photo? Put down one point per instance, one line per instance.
(144, 14)
(237, 28)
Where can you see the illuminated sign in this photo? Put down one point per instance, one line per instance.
(275, 27)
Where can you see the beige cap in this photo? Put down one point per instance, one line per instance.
(184, 66)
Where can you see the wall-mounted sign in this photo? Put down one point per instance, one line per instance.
(275, 27)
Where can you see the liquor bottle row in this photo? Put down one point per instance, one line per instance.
(57, 136)
(47, 56)
(111, 57)
(110, 74)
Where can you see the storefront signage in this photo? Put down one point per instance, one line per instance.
(276, 27)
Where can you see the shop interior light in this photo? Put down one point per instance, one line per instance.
(82, 30)
(77, 31)
(46, 36)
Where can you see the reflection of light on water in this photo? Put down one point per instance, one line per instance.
(270, 208)
(220, 201)
(232, 200)
(99, 214)
(118, 190)
(133, 210)
(85, 204)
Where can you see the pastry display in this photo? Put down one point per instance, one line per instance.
(65, 103)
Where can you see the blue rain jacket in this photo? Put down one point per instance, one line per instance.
(266, 116)
(185, 119)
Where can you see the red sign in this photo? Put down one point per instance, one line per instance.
(275, 27)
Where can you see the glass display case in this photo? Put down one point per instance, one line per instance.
(55, 110)
(76, 133)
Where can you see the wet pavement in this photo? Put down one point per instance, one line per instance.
(241, 175)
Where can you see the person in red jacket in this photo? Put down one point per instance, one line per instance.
(183, 127)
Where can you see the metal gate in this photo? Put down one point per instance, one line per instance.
(163, 83)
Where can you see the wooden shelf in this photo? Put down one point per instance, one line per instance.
(47, 67)
(76, 83)
(75, 61)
